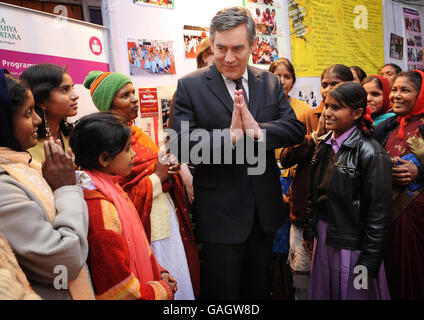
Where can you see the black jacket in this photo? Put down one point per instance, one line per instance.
(227, 197)
(359, 198)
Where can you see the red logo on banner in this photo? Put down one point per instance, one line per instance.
(149, 106)
(96, 46)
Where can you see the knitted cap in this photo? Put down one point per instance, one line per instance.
(103, 87)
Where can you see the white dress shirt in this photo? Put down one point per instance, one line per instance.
(231, 85)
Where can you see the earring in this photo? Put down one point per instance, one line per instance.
(46, 124)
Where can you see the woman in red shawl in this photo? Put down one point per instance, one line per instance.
(402, 137)
(378, 97)
(155, 187)
(121, 261)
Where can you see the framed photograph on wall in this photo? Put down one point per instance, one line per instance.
(396, 46)
(193, 36)
(151, 57)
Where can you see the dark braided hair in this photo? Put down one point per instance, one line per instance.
(354, 96)
(95, 134)
(394, 66)
(360, 72)
(285, 62)
(13, 93)
(340, 70)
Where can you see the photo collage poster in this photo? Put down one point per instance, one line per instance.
(151, 57)
(268, 16)
(414, 39)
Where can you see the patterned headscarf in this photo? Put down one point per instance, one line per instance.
(416, 110)
(386, 94)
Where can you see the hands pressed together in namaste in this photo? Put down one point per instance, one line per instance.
(242, 121)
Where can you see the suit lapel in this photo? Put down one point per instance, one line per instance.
(255, 91)
(216, 84)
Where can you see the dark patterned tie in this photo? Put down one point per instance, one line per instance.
(239, 85)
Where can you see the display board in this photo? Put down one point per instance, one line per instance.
(270, 29)
(325, 32)
(29, 37)
(154, 111)
(414, 39)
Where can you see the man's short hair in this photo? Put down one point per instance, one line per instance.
(230, 18)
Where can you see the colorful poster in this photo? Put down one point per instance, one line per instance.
(325, 32)
(149, 106)
(268, 16)
(414, 39)
(192, 38)
(396, 46)
(151, 57)
(156, 3)
(266, 50)
(149, 112)
(155, 111)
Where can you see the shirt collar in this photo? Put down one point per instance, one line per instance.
(244, 76)
(342, 138)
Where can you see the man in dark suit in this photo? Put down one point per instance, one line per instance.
(237, 209)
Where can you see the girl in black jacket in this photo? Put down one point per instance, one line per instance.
(349, 204)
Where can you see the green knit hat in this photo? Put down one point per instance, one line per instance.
(103, 87)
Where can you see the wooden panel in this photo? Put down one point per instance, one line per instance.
(74, 11)
(32, 5)
(15, 2)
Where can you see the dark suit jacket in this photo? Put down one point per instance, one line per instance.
(226, 197)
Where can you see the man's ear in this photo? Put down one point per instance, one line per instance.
(204, 56)
(104, 160)
(212, 47)
(254, 45)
